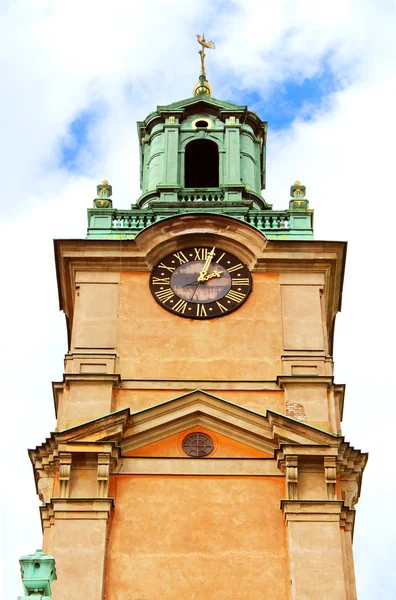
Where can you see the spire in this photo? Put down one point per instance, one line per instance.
(203, 86)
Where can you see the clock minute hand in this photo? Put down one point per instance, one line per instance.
(206, 266)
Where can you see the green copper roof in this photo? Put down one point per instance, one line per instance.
(201, 155)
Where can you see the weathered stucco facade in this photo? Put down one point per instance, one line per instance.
(269, 512)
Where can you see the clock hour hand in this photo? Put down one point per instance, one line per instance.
(211, 275)
(203, 279)
(206, 266)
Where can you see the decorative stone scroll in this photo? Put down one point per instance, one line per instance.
(65, 460)
(330, 465)
(103, 474)
(292, 477)
(350, 491)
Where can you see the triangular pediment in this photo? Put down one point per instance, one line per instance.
(156, 431)
(200, 409)
(172, 446)
(264, 433)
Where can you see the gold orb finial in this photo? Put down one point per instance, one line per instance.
(105, 182)
(202, 88)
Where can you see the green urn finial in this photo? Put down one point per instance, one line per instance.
(38, 572)
(297, 192)
(104, 190)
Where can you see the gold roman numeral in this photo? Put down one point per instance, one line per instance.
(201, 253)
(220, 257)
(223, 309)
(164, 295)
(236, 296)
(162, 266)
(181, 257)
(201, 312)
(241, 281)
(180, 306)
(235, 268)
(161, 281)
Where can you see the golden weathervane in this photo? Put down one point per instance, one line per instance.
(204, 44)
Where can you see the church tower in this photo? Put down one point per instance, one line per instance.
(198, 449)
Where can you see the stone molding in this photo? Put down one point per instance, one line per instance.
(54, 458)
(285, 380)
(319, 511)
(194, 384)
(339, 460)
(174, 233)
(112, 436)
(240, 467)
(113, 379)
(312, 510)
(306, 364)
(89, 363)
(76, 508)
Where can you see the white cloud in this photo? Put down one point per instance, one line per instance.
(58, 59)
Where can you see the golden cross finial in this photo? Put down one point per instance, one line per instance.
(204, 44)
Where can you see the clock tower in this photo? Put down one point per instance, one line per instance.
(198, 450)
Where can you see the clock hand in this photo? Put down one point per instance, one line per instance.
(205, 278)
(206, 265)
(211, 275)
(195, 291)
(189, 284)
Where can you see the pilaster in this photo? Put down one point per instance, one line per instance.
(315, 552)
(307, 399)
(78, 544)
(84, 397)
(232, 171)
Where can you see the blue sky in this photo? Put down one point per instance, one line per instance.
(280, 106)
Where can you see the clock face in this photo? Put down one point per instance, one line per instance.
(200, 282)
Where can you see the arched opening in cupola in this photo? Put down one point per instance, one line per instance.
(201, 164)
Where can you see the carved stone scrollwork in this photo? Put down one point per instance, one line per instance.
(45, 485)
(292, 477)
(330, 466)
(350, 491)
(65, 459)
(103, 475)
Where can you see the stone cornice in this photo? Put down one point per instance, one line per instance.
(312, 510)
(272, 430)
(76, 508)
(283, 380)
(348, 460)
(319, 511)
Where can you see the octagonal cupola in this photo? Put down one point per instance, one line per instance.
(202, 150)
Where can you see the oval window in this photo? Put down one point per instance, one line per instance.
(197, 444)
(201, 123)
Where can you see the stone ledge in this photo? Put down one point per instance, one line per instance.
(76, 508)
(92, 377)
(325, 380)
(312, 510)
(181, 466)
